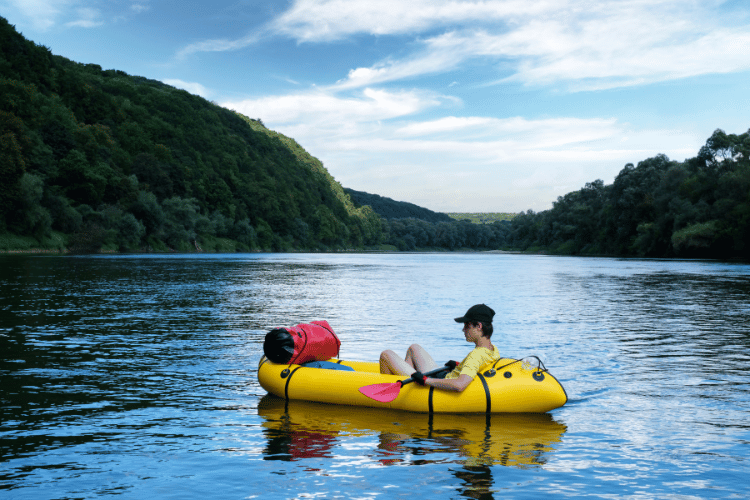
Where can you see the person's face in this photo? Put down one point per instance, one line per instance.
(472, 331)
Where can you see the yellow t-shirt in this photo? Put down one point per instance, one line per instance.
(477, 358)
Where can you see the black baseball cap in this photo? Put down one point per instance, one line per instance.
(479, 312)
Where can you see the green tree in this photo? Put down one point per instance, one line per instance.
(12, 161)
(181, 216)
(243, 232)
(147, 209)
(82, 181)
(34, 219)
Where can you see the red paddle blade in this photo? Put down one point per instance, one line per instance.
(385, 393)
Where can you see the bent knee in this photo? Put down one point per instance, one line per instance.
(387, 354)
(415, 348)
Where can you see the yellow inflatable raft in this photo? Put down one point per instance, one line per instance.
(505, 386)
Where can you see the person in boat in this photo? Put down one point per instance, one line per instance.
(477, 329)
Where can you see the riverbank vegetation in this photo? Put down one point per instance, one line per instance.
(699, 208)
(482, 217)
(96, 160)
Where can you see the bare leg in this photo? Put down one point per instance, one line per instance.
(416, 359)
(392, 364)
(420, 359)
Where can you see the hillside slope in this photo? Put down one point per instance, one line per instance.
(123, 162)
(391, 209)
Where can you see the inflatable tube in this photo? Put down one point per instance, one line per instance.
(303, 429)
(505, 386)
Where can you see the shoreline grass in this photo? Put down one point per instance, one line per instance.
(482, 217)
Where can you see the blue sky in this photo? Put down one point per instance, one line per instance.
(457, 106)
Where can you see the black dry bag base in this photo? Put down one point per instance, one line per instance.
(314, 341)
(279, 346)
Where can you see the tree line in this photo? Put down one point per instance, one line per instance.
(414, 234)
(698, 208)
(94, 159)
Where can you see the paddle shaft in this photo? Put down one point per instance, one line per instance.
(429, 373)
(388, 391)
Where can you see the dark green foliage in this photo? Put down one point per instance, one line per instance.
(172, 165)
(243, 232)
(409, 227)
(390, 209)
(181, 216)
(31, 218)
(660, 208)
(412, 234)
(481, 217)
(89, 239)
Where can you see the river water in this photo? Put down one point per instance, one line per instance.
(135, 376)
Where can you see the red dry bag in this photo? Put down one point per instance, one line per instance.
(314, 341)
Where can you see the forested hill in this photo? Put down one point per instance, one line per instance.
(93, 158)
(391, 209)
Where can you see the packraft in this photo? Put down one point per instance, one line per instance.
(503, 386)
(302, 343)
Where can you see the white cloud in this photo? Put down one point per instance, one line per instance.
(218, 45)
(447, 124)
(42, 14)
(616, 50)
(372, 140)
(192, 87)
(86, 18)
(140, 7)
(605, 51)
(320, 107)
(326, 20)
(583, 45)
(548, 131)
(482, 141)
(510, 173)
(425, 63)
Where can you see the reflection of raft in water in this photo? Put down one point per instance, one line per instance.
(301, 429)
(505, 386)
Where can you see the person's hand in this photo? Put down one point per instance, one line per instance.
(418, 377)
(451, 364)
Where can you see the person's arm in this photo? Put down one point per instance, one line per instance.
(453, 384)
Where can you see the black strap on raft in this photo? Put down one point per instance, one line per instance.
(430, 406)
(288, 379)
(487, 394)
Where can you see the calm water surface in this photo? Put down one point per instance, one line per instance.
(136, 376)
